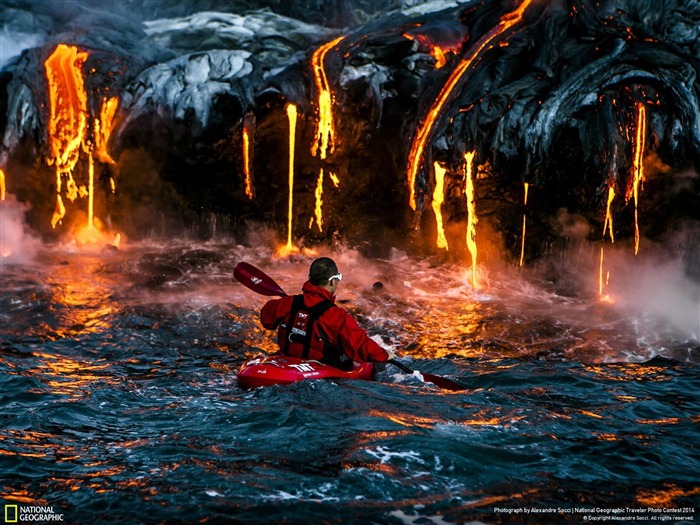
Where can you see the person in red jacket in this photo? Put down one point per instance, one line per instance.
(311, 326)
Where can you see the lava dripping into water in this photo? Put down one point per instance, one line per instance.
(68, 132)
(248, 126)
(292, 118)
(471, 210)
(324, 142)
(424, 129)
(438, 198)
(638, 168)
(522, 240)
(67, 124)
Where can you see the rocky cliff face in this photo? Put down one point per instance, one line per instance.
(544, 93)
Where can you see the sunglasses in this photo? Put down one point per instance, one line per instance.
(338, 276)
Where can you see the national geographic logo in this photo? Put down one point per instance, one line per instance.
(31, 514)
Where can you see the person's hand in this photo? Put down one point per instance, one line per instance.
(390, 353)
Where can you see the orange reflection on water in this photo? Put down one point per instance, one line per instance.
(630, 372)
(406, 420)
(666, 497)
(82, 300)
(23, 496)
(491, 418)
(69, 376)
(445, 332)
(661, 421)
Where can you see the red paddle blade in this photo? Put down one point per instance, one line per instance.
(257, 280)
(443, 382)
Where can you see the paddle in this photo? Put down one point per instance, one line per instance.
(438, 381)
(258, 281)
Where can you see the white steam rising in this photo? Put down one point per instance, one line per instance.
(17, 244)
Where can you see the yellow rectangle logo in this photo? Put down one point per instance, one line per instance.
(11, 513)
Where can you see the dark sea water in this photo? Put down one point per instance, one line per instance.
(119, 401)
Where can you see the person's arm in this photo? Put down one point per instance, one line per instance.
(356, 343)
(272, 313)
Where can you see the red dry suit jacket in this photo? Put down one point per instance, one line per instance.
(335, 326)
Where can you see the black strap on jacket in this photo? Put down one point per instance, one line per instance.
(304, 336)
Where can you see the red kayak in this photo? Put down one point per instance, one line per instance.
(282, 370)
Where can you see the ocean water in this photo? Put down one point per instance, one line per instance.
(119, 401)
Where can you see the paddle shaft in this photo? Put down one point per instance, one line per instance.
(439, 381)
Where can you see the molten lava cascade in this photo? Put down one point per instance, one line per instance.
(2, 185)
(438, 198)
(638, 168)
(604, 277)
(541, 91)
(292, 117)
(67, 119)
(424, 129)
(324, 142)
(522, 237)
(68, 132)
(469, 176)
(247, 133)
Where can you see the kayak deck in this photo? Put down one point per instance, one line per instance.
(282, 370)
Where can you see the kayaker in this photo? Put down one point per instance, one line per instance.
(312, 326)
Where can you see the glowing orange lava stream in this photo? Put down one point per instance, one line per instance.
(247, 132)
(438, 198)
(471, 208)
(246, 163)
(522, 240)
(2, 185)
(292, 117)
(67, 118)
(324, 142)
(608, 224)
(424, 130)
(607, 227)
(638, 168)
(68, 134)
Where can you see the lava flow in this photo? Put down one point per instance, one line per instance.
(638, 168)
(438, 198)
(292, 117)
(324, 142)
(424, 130)
(522, 239)
(471, 208)
(67, 119)
(68, 132)
(248, 125)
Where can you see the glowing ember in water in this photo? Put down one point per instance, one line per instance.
(638, 166)
(438, 198)
(292, 117)
(67, 117)
(424, 130)
(471, 208)
(522, 241)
